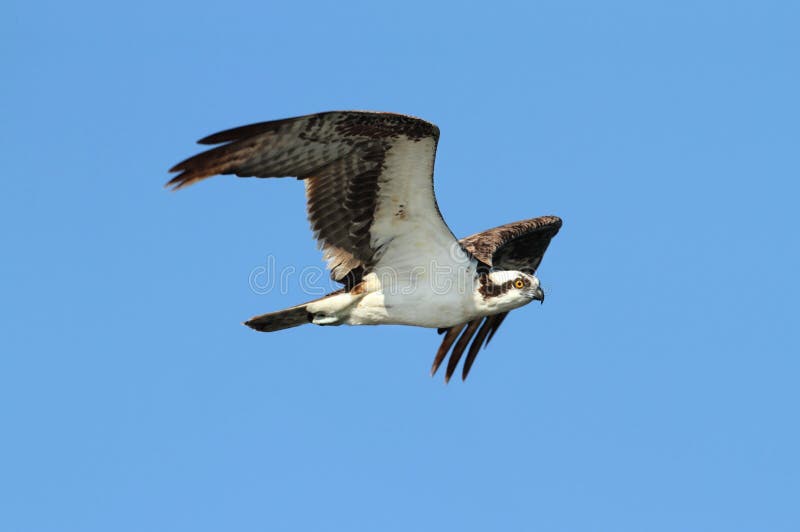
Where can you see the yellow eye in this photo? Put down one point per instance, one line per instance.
(518, 283)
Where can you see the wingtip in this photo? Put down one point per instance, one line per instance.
(176, 181)
(210, 140)
(437, 363)
(181, 181)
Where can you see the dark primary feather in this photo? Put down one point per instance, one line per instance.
(515, 246)
(488, 326)
(458, 350)
(339, 154)
(449, 338)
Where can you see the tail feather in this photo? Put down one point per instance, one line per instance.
(284, 319)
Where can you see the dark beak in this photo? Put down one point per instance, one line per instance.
(538, 295)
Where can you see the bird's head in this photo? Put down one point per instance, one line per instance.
(509, 289)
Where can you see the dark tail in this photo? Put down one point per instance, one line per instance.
(286, 318)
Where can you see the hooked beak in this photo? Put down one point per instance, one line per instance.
(538, 294)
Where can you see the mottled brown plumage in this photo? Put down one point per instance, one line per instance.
(339, 154)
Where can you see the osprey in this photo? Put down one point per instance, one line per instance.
(369, 187)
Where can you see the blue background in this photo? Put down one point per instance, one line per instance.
(657, 388)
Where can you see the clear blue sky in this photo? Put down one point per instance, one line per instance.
(656, 389)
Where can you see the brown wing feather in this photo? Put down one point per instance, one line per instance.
(488, 326)
(515, 246)
(458, 350)
(340, 154)
(449, 338)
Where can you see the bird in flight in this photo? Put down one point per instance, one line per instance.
(369, 188)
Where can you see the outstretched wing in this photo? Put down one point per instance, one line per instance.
(515, 246)
(368, 176)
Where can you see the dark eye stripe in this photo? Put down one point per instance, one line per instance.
(489, 289)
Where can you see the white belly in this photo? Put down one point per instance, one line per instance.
(423, 310)
(443, 303)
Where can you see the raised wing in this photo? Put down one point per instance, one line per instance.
(515, 246)
(368, 176)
